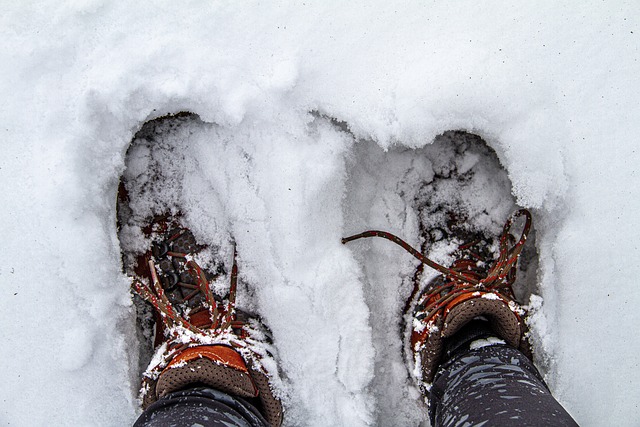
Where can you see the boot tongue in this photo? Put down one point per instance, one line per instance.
(201, 319)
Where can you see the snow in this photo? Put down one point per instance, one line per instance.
(485, 343)
(551, 86)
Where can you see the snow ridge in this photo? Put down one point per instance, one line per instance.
(552, 88)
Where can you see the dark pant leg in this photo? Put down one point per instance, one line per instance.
(201, 406)
(493, 386)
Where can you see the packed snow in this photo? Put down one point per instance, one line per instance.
(317, 119)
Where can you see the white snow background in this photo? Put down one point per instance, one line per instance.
(552, 86)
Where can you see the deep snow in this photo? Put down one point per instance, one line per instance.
(552, 87)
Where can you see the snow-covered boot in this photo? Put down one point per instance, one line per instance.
(207, 341)
(477, 285)
(201, 339)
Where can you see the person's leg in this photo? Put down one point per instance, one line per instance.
(201, 406)
(484, 381)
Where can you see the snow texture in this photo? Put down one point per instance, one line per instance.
(551, 86)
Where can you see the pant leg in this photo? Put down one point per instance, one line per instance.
(201, 406)
(493, 386)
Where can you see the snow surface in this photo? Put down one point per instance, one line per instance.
(551, 86)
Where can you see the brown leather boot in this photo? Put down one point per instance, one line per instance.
(205, 340)
(201, 338)
(475, 286)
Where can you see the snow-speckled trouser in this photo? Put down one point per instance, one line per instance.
(201, 407)
(493, 386)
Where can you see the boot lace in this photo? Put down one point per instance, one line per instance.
(223, 317)
(465, 275)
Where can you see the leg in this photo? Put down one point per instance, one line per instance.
(496, 385)
(201, 406)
